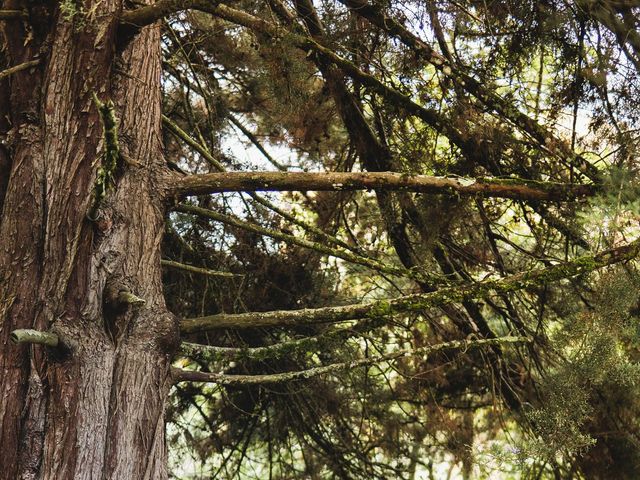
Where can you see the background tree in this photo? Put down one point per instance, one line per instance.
(452, 315)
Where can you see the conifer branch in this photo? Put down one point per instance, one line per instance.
(18, 68)
(182, 135)
(545, 138)
(416, 302)
(515, 188)
(12, 14)
(279, 350)
(139, 17)
(317, 246)
(181, 375)
(198, 270)
(24, 335)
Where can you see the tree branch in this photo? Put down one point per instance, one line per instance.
(181, 134)
(491, 99)
(278, 350)
(341, 181)
(198, 270)
(149, 14)
(417, 302)
(12, 14)
(18, 68)
(180, 375)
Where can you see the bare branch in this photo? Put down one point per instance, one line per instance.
(18, 68)
(417, 302)
(198, 270)
(341, 181)
(12, 14)
(149, 14)
(180, 375)
(182, 135)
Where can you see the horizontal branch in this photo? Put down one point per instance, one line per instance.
(279, 350)
(341, 181)
(180, 375)
(18, 68)
(34, 336)
(149, 14)
(416, 302)
(198, 270)
(182, 135)
(12, 14)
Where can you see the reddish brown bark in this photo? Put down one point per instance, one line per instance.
(95, 408)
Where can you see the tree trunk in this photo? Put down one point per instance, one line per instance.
(94, 407)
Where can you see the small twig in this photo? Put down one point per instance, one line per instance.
(181, 375)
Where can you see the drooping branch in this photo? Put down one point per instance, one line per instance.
(490, 98)
(198, 270)
(301, 242)
(430, 116)
(341, 181)
(18, 68)
(417, 302)
(181, 375)
(254, 140)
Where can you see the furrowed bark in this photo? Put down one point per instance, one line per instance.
(413, 303)
(345, 181)
(103, 394)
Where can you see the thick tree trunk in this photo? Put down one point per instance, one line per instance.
(93, 408)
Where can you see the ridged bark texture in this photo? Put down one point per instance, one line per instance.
(95, 407)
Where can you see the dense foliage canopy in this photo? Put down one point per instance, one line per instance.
(540, 93)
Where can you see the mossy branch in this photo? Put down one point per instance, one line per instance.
(279, 350)
(417, 302)
(181, 375)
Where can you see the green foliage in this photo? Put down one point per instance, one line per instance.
(564, 406)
